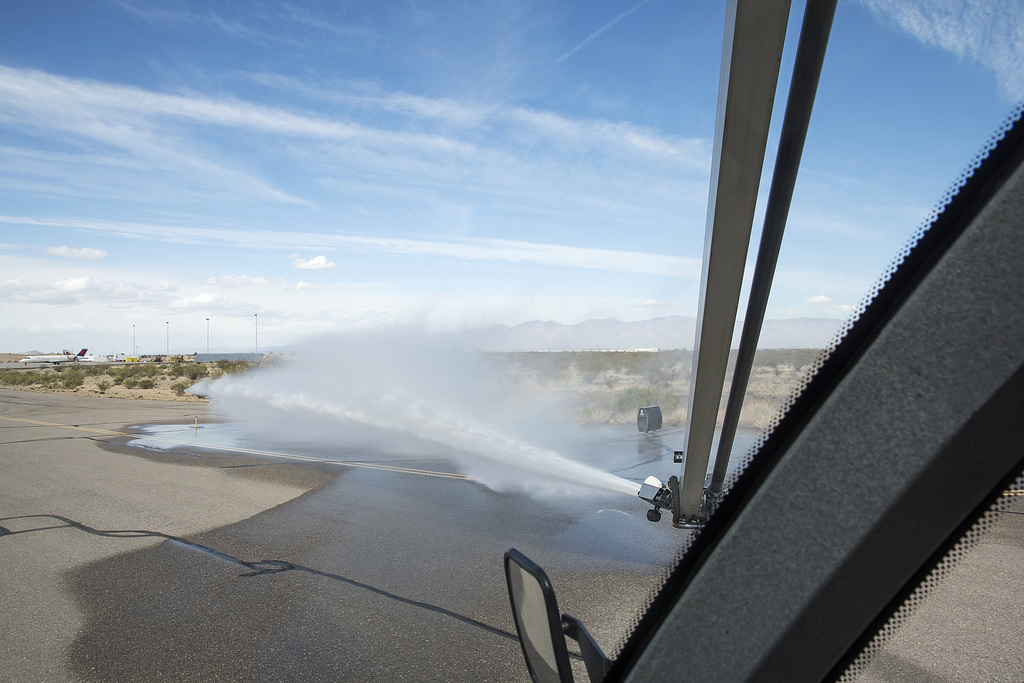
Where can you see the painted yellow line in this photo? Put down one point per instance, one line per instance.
(248, 451)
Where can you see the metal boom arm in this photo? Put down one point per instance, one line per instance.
(754, 36)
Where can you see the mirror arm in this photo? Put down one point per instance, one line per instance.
(597, 663)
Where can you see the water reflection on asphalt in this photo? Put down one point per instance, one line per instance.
(598, 527)
(614, 448)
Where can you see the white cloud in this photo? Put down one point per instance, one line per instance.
(82, 253)
(989, 32)
(74, 291)
(301, 286)
(237, 280)
(74, 284)
(315, 263)
(824, 305)
(208, 302)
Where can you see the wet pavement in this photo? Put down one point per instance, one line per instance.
(194, 554)
(370, 574)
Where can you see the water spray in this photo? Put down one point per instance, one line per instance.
(403, 395)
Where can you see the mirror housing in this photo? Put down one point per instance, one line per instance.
(541, 630)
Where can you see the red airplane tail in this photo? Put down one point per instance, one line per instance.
(81, 354)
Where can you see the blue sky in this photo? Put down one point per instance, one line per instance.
(336, 165)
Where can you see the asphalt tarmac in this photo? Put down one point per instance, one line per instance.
(178, 562)
(128, 563)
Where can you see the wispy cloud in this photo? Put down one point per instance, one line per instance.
(599, 31)
(510, 251)
(434, 166)
(73, 104)
(159, 16)
(82, 253)
(507, 122)
(262, 24)
(102, 140)
(315, 263)
(131, 127)
(991, 33)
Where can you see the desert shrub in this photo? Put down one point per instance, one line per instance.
(146, 383)
(103, 385)
(92, 370)
(634, 398)
(177, 370)
(759, 412)
(20, 377)
(179, 388)
(234, 367)
(590, 365)
(196, 371)
(72, 379)
(776, 358)
(130, 382)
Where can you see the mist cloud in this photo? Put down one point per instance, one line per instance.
(404, 392)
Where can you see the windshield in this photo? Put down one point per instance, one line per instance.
(473, 236)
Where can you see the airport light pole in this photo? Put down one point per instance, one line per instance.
(207, 335)
(257, 317)
(134, 347)
(168, 323)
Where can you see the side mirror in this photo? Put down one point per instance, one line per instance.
(542, 630)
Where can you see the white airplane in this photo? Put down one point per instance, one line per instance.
(66, 357)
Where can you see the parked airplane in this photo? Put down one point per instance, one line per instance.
(66, 357)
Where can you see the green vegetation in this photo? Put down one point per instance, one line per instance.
(21, 378)
(72, 379)
(235, 367)
(800, 360)
(634, 398)
(114, 379)
(196, 371)
(608, 387)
